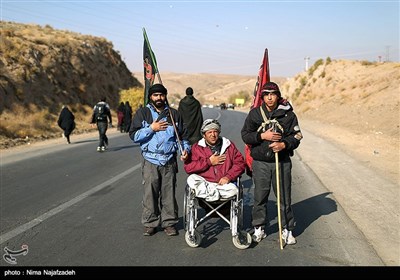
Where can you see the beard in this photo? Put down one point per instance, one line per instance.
(159, 104)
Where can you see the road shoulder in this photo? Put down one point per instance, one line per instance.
(369, 199)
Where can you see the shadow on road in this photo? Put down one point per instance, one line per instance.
(305, 212)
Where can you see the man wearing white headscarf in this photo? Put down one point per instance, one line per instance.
(214, 164)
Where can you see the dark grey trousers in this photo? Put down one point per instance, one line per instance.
(264, 175)
(159, 202)
(102, 127)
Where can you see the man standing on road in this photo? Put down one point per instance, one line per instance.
(102, 112)
(152, 127)
(190, 110)
(272, 128)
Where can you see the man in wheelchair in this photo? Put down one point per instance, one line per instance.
(214, 167)
(214, 164)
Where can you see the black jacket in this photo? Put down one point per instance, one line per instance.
(66, 120)
(190, 110)
(291, 131)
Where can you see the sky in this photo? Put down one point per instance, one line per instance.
(226, 37)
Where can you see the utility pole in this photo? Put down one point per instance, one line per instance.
(307, 58)
(387, 53)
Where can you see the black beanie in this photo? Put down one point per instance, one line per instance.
(189, 91)
(157, 88)
(270, 87)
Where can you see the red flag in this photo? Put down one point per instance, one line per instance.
(263, 78)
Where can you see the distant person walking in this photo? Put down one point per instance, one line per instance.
(66, 121)
(127, 116)
(190, 110)
(101, 115)
(120, 117)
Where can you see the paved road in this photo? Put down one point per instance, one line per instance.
(73, 206)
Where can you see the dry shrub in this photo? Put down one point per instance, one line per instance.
(133, 95)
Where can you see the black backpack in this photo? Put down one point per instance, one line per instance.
(101, 112)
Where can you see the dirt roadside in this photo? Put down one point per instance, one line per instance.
(369, 197)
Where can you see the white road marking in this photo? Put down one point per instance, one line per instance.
(22, 228)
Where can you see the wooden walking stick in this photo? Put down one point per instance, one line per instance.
(278, 198)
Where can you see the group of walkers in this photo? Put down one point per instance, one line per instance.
(124, 115)
(101, 118)
(208, 158)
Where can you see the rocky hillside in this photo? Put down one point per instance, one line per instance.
(43, 68)
(358, 95)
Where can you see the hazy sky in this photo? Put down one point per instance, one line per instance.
(227, 37)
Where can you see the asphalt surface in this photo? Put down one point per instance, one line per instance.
(369, 200)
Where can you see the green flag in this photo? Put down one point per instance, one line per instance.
(150, 67)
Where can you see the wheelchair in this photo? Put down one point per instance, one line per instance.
(191, 220)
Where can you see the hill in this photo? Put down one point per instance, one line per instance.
(354, 104)
(43, 68)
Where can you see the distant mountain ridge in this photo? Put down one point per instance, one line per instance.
(208, 88)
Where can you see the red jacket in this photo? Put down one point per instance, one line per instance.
(199, 162)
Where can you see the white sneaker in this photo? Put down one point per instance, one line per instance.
(103, 148)
(259, 234)
(287, 236)
(99, 149)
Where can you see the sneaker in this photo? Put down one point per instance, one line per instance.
(99, 149)
(170, 231)
(259, 234)
(148, 231)
(103, 148)
(287, 236)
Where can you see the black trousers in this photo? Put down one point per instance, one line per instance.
(102, 127)
(264, 176)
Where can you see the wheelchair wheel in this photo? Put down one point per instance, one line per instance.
(242, 240)
(193, 241)
(185, 212)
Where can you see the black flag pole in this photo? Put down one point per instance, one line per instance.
(153, 59)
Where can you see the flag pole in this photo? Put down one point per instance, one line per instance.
(166, 99)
